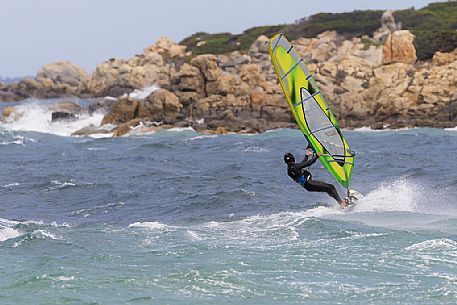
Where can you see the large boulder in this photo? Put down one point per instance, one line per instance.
(123, 110)
(388, 26)
(260, 45)
(399, 48)
(63, 78)
(63, 72)
(116, 77)
(161, 105)
(68, 107)
(103, 105)
(189, 79)
(207, 64)
(55, 80)
(166, 46)
(125, 128)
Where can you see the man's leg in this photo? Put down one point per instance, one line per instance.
(319, 186)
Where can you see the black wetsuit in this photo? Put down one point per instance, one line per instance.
(299, 174)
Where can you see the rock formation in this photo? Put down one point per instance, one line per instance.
(399, 48)
(365, 82)
(388, 26)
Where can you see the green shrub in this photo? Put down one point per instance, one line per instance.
(427, 42)
(350, 25)
(433, 25)
(225, 42)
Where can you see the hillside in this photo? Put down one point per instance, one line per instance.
(434, 26)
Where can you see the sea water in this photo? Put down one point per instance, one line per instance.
(178, 217)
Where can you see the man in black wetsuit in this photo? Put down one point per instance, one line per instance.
(300, 174)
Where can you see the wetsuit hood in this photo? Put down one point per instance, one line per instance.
(289, 158)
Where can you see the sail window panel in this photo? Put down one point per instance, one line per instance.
(319, 123)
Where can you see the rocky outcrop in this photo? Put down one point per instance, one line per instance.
(67, 106)
(102, 105)
(388, 26)
(123, 110)
(399, 48)
(117, 77)
(160, 106)
(65, 111)
(59, 79)
(241, 93)
(63, 78)
(167, 47)
(366, 83)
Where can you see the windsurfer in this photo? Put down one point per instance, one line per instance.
(299, 172)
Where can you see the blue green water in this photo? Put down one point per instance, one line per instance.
(178, 217)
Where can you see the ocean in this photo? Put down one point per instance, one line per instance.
(178, 217)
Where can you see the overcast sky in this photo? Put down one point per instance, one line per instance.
(88, 32)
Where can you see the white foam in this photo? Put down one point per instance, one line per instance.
(61, 185)
(37, 234)
(64, 278)
(153, 225)
(194, 236)
(255, 149)
(385, 128)
(46, 234)
(181, 129)
(17, 140)
(398, 196)
(451, 129)
(434, 244)
(202, 137)
(139, 94)
(41, 223)
(144, 129)
(8, 233)
(366, 129)
(37, 117)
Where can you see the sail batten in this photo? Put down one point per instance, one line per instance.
(311, 110)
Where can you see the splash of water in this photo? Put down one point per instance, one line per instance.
(37, 117)
(401, 195)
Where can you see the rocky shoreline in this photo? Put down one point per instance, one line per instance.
(368, 81)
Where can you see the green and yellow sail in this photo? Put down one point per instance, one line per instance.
(311, 111)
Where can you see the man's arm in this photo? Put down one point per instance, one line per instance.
(309, 151)
(306, 162)
(304, 159)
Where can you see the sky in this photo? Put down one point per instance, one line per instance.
(88, 32)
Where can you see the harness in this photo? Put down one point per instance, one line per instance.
(302, 180)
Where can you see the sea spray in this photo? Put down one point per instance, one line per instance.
(35, 116)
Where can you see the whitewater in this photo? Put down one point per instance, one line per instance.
(178, 217)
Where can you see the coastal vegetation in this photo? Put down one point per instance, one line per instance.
(434, 27)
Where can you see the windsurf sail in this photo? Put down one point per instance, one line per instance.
(311, 111)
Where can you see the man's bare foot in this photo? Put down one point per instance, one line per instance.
(344, 203)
